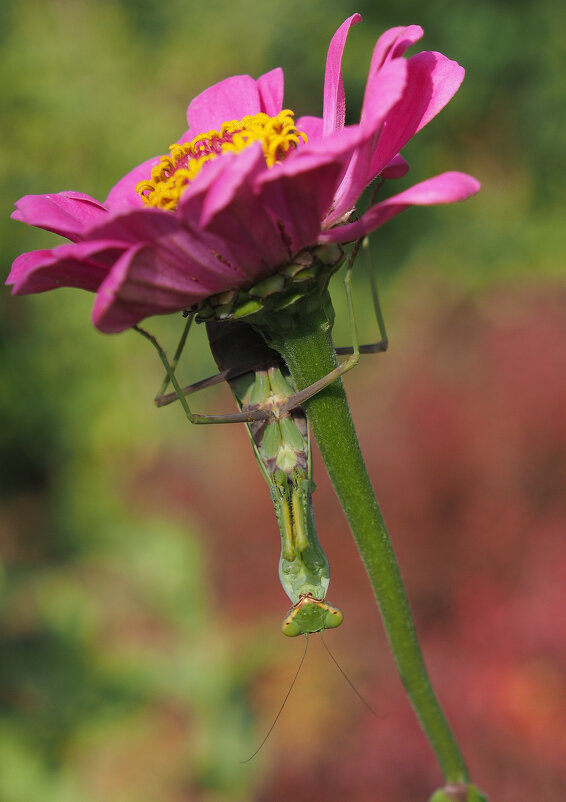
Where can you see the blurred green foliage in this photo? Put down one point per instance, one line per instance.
(115, 645)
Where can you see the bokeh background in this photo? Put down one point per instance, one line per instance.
(142, 657)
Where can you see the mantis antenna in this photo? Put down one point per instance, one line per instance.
(348, 680)
(292, 685)
(276, 719)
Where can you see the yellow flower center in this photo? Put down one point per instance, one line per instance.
(277, 136)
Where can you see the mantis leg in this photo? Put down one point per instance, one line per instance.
(202, 384)
(177, 355)
(195, 417)
(354, 351)
(381, 345)
(293, 401)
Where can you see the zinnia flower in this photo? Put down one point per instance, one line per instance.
(245, 189)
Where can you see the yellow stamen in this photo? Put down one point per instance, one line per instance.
(277, 136)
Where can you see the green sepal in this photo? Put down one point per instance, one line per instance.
(288, 300)
(268, 286)
(307, 276)
(248, 308)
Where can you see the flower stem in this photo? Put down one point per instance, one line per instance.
(305, 342)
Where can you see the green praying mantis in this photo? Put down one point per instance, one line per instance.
(282, 448)
(270, 406)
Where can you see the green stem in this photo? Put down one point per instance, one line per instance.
(305, 342)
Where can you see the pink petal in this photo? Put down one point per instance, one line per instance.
(396, 168)
(386, 89)
(383, 91)
(311, 126)
(299, 192)
(199, 256)
(133, 226)
(431, 81)
(230, 99)
(446, 77)
(444, 188)
(142, 284)
(83, 265)
(232, 211)
(177, 236)
(123, 195)
(66, 213)
(392, 44)
(228, 175)
(270, 86)
(334, 107)
(182, 249)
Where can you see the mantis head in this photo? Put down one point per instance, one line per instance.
(311, 615)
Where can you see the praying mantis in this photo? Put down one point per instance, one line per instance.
(270, 406)
(283, 450)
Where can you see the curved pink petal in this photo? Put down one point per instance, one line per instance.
(83, 265)
(270, 86)
(299, 192)
(311, 126)
(397, 168)
(146, 282)
(181, 238)
(230, 99)
(229, 174)
(383, 92)
(180, 246)
(135, 226)
(444, 188)
(297, 206)
(198, 255)
(388, 87)
(334, 106)
(432, 80)
(123, 195)
(392, 44)
(446, 77)
(66, 213)
(233, 211)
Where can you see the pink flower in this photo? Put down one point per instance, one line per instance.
(252, 189)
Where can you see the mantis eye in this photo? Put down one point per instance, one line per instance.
(333, 618)
(291, 628)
